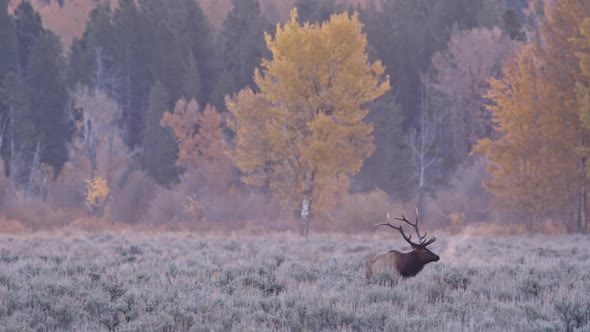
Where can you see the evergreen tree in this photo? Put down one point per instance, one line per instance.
(159, 148)
(21, 137)
(199, 34)
(169, 62)
(243, 31)
(389, 167)
(405, 34)
(48, 97)
(79, 67)
(9, 53)
(512, 25)
(133, 58)
(182, 29)
(315, 11)
(92, 56)
(28, 28)
(8, 63)
(192, 80)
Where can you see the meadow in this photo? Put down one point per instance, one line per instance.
(108, 281)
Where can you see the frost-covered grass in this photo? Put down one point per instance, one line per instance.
(184, 282)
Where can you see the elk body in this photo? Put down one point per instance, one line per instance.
(405, 264)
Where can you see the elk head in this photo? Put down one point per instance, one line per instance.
(406, 264)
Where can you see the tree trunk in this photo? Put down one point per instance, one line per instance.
(421, 202)
(34, 169)
(582, 224)
(12, 162)
(306, 204)
(582, 199)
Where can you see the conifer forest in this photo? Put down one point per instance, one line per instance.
(228, 165)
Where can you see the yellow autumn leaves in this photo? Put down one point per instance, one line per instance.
(538, 161)
(97, 192)
(304, 132)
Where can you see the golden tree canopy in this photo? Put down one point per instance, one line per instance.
(537, 165)
(306, 125)
(516, 161)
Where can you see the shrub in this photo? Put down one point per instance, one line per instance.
(360, 211)
(36, 214)
(242, 206)
(167, 207)
(132, 199)
(573, 309)
(456, 222)
(456, 279)
(67, 191)
(531, 287)
(96, 194)
(465, 197)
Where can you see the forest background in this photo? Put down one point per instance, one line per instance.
(136, 112)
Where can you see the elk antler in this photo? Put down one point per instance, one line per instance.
(400, 229)
(421, 238)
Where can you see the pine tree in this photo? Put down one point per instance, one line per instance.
(243, 31)
(133, 56)
(512, 25)
(28, 28)
(9, 54)
(92, 56)
(316, 11)
(405, 35)
(159, 147)
(390, 166)
(169, 62)
(182, 29)
(8, 63)
(21, 138)
(48, 97)
(192, 80)
(199, 36)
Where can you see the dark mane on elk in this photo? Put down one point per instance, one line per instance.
(406, 264)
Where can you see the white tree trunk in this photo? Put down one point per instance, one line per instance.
(582, 199)
(34, 169)
(306, 203)
(423, 142)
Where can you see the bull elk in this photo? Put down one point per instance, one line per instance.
(406, 264)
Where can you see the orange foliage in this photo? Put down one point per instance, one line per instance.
(518, 162)
(200, 141)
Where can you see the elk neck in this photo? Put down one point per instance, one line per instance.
(409, 264)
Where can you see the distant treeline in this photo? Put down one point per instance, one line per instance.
(88, 126)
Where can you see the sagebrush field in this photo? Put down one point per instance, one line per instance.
(188, 282)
